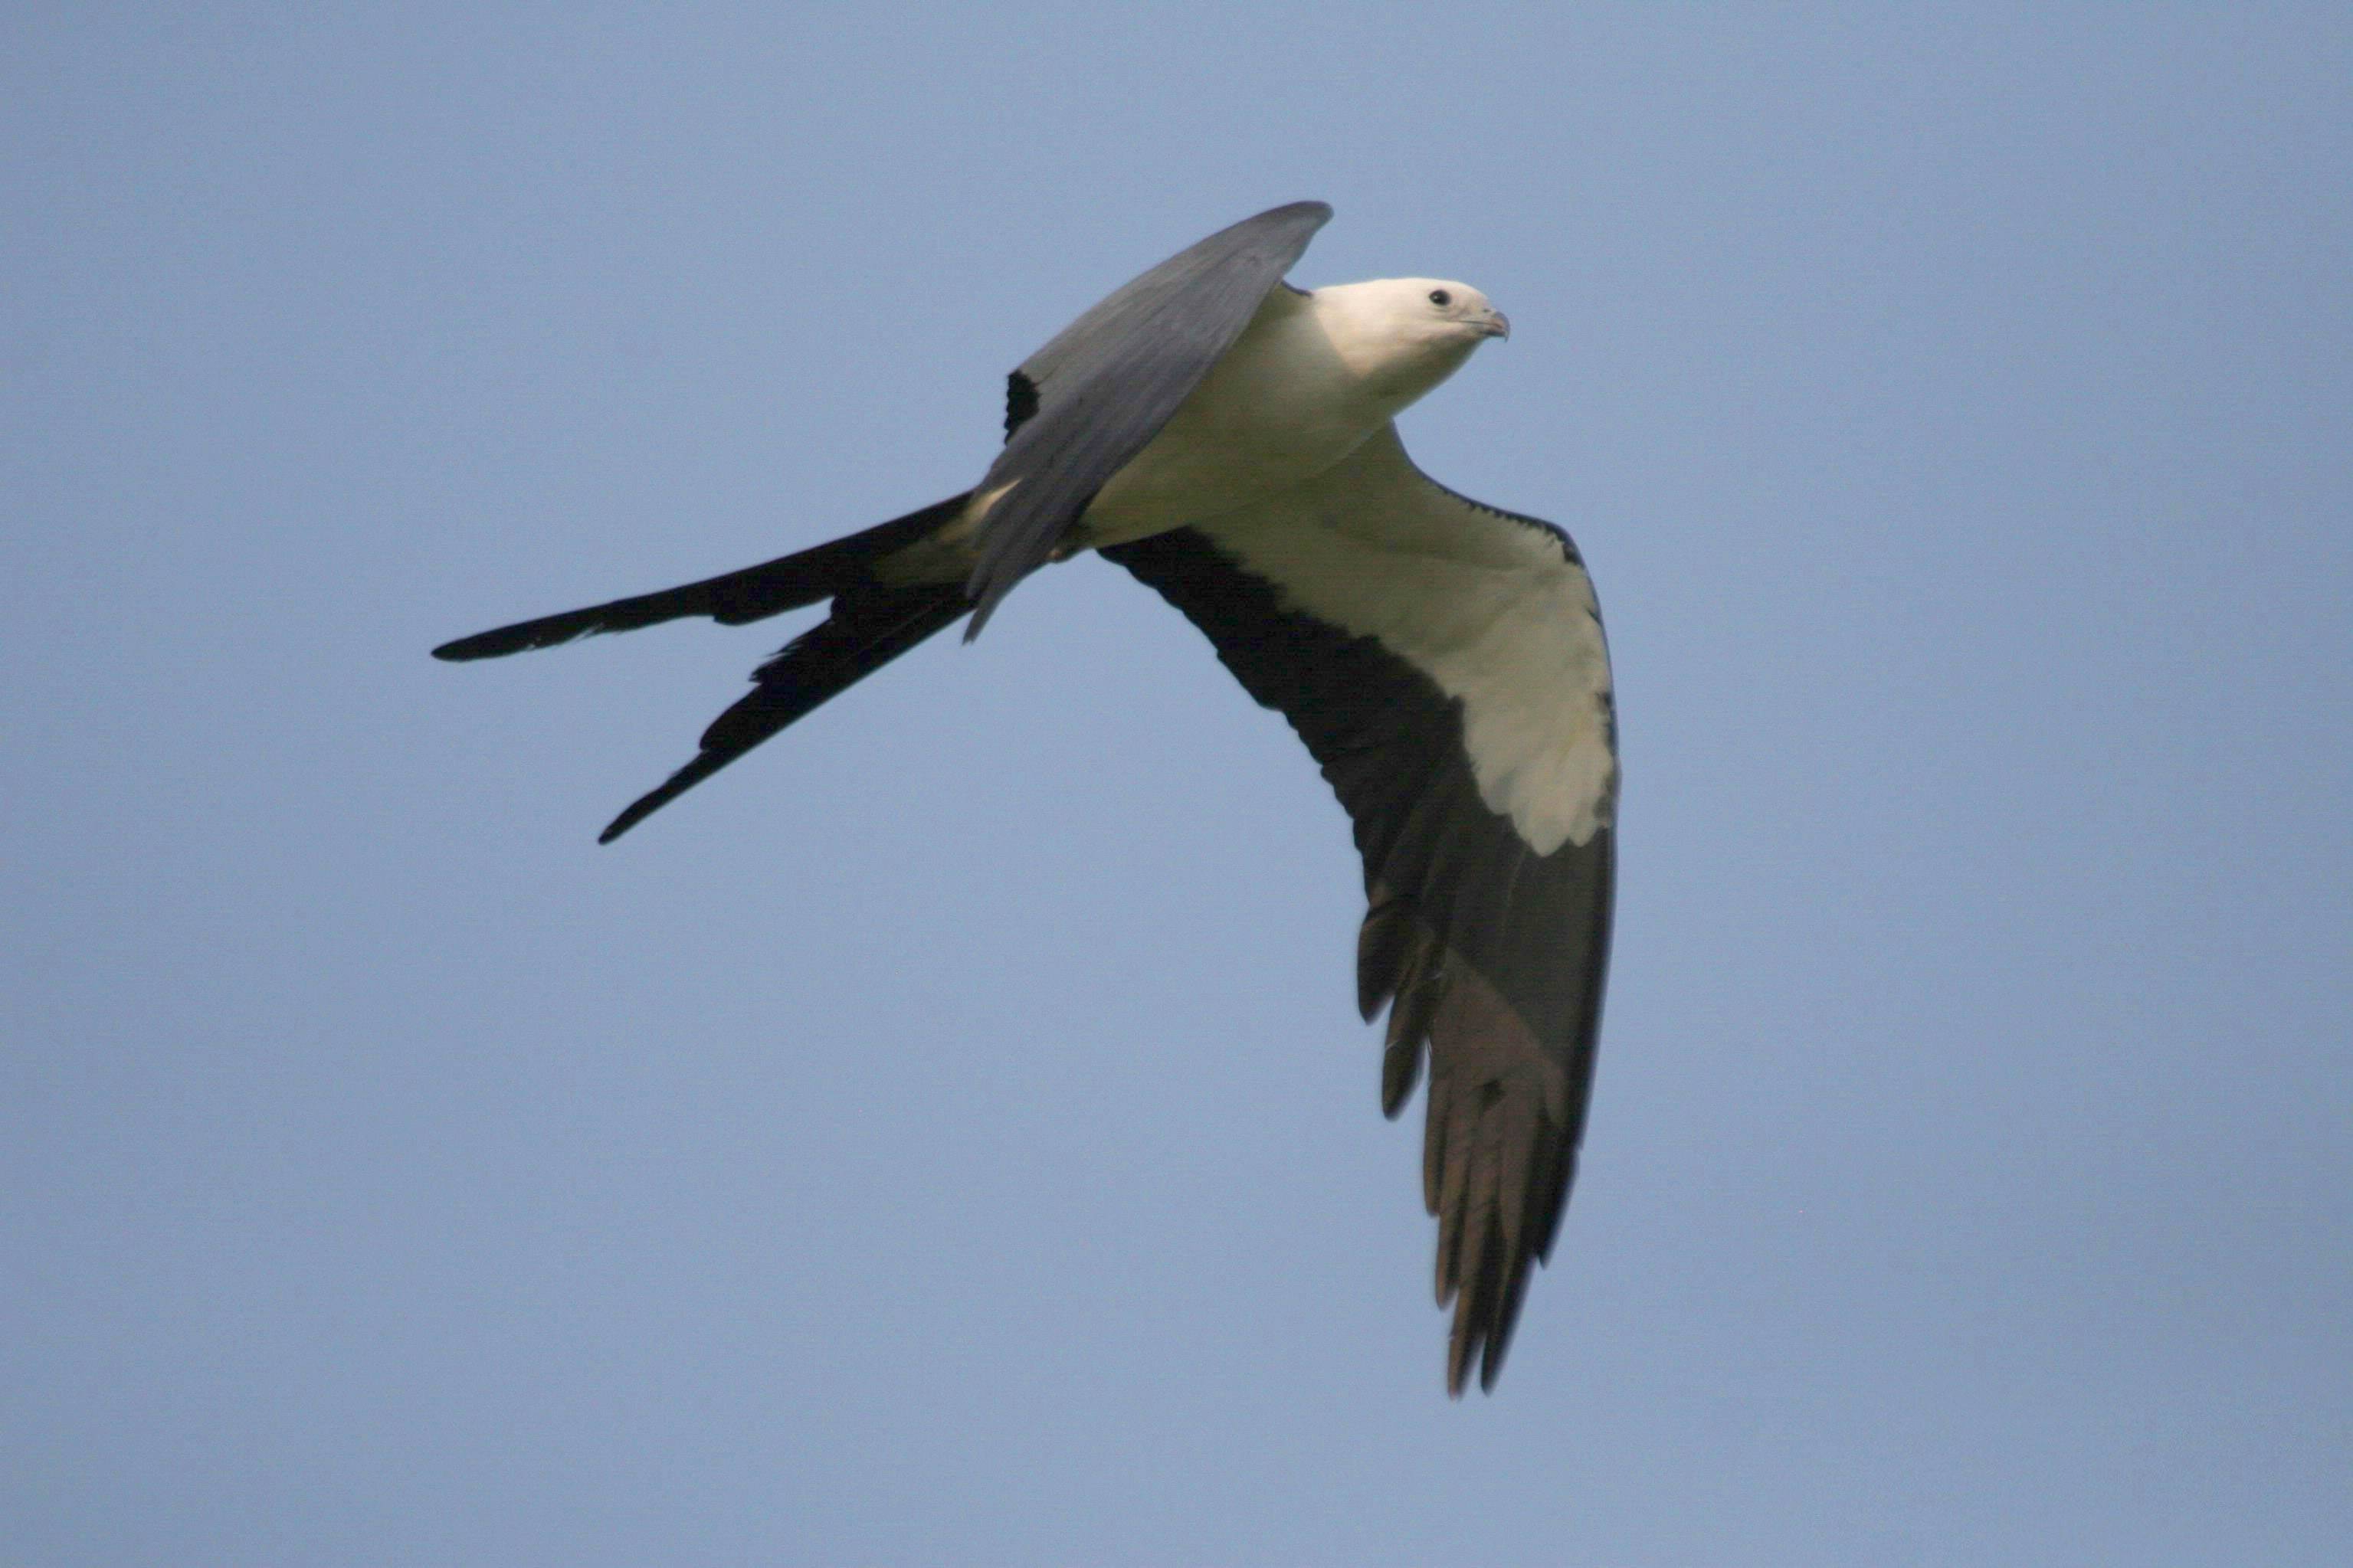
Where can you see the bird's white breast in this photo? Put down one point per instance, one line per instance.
(1289, 400)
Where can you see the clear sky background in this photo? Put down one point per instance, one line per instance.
(946, 1137)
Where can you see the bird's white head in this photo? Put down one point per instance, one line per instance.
(1405, 335)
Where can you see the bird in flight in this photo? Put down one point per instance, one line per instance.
(1227, 437)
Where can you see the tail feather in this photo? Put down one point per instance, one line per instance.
(864, 633)
(872, 623)
(732, 599)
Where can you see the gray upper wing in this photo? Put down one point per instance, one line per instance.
(1443, 662)
(1079, 408)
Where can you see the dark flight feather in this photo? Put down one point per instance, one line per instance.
(1490, 957)
(1079, 408)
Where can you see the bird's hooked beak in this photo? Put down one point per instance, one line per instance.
(1495, 324)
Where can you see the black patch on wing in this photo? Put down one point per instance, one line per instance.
(1487, 954)
(1020, 402)
(1107, 383)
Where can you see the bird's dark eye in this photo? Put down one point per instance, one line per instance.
(1440, 297)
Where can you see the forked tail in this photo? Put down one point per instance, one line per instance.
(872, 623)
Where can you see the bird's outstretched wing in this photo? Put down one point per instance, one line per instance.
(1444, 662)
(1079, 408)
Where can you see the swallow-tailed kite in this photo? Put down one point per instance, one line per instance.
(1226, 437)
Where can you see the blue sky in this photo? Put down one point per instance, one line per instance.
(946, 1137)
